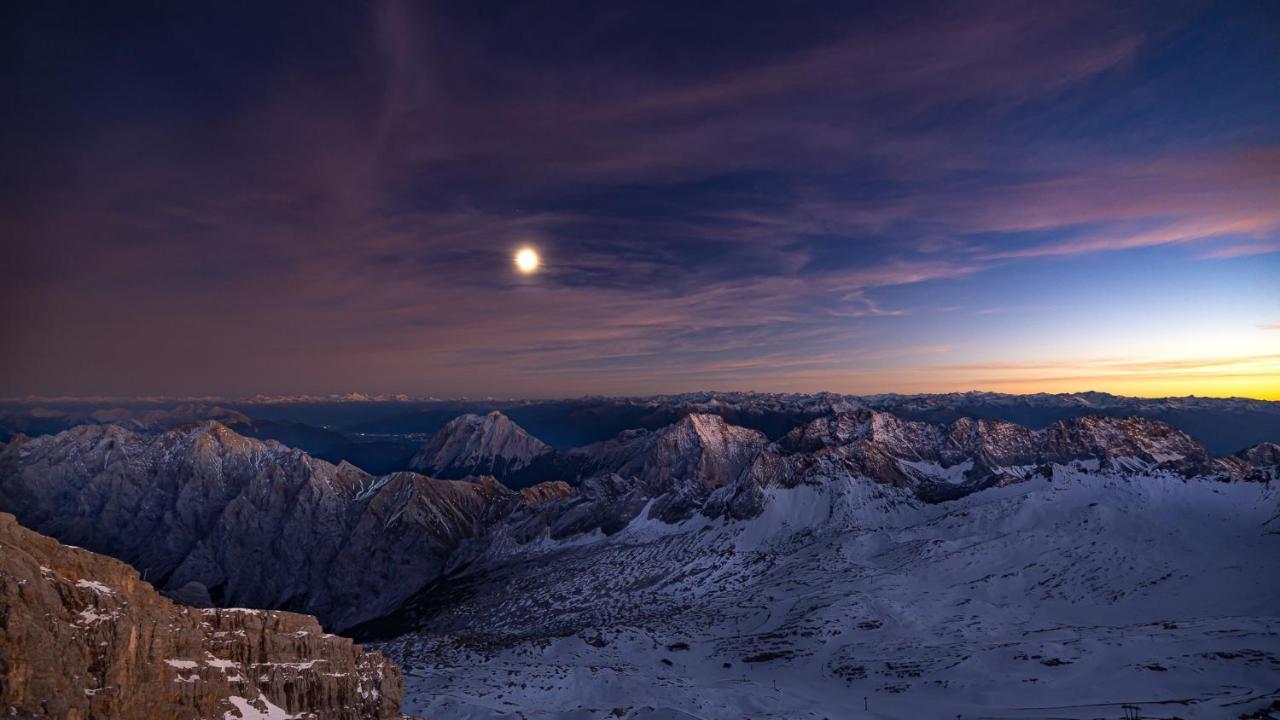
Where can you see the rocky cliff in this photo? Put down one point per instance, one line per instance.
(82, 636)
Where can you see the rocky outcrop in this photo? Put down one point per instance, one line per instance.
(82, 636)
(475, 445)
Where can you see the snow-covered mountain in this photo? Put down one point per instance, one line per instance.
(860, 554)
(215, 518)
(475, 445)
(939, 462)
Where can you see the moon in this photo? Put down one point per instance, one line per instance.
(527, 260)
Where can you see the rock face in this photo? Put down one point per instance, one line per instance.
(82, 636)
(228, 520)
(475, 445)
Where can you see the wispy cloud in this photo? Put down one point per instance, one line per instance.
(1242, 250)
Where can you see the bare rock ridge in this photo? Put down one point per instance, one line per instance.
(215, 518)
(475, 445)
(82, 636)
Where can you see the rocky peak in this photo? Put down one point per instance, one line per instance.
(1124, 442)
(212, 437)
(702, 449)
(992, 443)
(1262, 454)
(478, 445)
(996, 443)
(83, 636)
(694, 457)
(885, 431)
(829, 431)
(904, 437)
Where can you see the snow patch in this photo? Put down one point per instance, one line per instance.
(260, 709)
(95, 586)
(89, 616)
(954, 475)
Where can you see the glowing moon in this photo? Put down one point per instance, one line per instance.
(527, 260)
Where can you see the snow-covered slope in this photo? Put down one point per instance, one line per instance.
(1070, 571)
(1062, 597)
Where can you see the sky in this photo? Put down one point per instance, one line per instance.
(237, 198)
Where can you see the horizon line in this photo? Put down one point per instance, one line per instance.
(395, 397)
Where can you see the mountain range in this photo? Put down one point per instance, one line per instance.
(655, 538)
(381, 434)
(217, 518)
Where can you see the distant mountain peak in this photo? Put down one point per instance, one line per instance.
(705, 448)
(474, 445)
